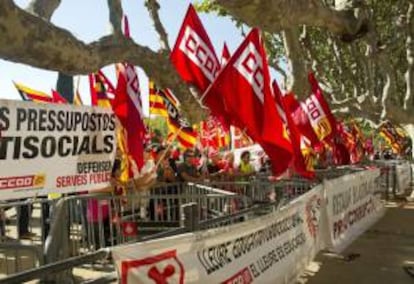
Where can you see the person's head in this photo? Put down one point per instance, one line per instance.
(245, 156)
(215, 157)
(188, 156)
(160, 152)
(230, 157)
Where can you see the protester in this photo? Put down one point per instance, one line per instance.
(246, 168)
(187, 171)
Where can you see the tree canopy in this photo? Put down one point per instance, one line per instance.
(361, 50)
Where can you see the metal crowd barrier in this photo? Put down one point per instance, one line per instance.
(85, 224)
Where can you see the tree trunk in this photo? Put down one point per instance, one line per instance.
(294, 53)
(409, 75)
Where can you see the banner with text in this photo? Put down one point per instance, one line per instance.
(352, 206)
(54, 148)
(271, 249)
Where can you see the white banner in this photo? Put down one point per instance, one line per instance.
(351, 206)
(403, 174)
(54, 148)
(271, 249)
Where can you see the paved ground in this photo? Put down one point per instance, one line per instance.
(380, 253)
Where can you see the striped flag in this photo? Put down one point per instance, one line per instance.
(100, 87)
(77, 100)
(156, 102)
(29, 94)
(187, 136)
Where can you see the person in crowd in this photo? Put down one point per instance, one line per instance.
(24, 212)
(187, 171)
(229, 166)
(165, 173)
(215, 167)
(246, 168)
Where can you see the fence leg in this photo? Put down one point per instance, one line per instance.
(57, 243)
(190, 217)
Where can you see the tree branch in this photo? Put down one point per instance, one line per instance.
(43, 8)
(115, 16)
(53, 48)
(347, 21)
(153, 7)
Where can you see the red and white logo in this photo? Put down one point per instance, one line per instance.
(164, 268)
(250, 66)
(20, 182)
(317, 117)
(193, 46)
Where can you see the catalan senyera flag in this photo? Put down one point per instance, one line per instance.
(156, 101)
(392, 136)
(100, 86)
(29, 94)
(58, 98)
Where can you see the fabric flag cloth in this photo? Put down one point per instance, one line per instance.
(77, 100)
(100, 86)
(343, 145)
(57, 98)
(156, 102)
(245, 87)
(213, 135)
(29, 94)
(303, 156)
(193, 54)
(225, 55)
(319, 113)
(196, 61)
(128, 108)
(391, 136)
(187, 136)
(239, 139)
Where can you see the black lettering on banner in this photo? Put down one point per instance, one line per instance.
(112, 122)
(95, 148)
(4, 118)
(31, 120)
(62, 150)
(42, 120)
(92, 123)
(84, 148)
(21, 118)
(77, 121)
(61, 121)
(48, 147)
(17, 148)
(109, 143)
(4, 143)
(32, 151)
(51, 118)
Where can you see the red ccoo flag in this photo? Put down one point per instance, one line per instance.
(302, 160)
(225, 55)
(319, 114)
(244, 83)
(193, 54)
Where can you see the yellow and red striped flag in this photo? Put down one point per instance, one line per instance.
(156, 102)
(29, 94)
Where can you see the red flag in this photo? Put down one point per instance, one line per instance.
(128, 108)
(57, 98)
(225, 55)
(244, 84)
(302, 152)
(299, 118)
(320, 116)
(193, 54)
